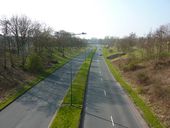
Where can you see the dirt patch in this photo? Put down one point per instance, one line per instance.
(12, 79)
(162, 64)
(153, 84)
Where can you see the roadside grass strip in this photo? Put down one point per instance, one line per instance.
(68, 116)
(147, 113)
(24, 88)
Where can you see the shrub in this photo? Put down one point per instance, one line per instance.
(130, 67)
(142, 77)
(141, 90)
(110, 50)
(34, 63)
(164, 55)
(132, 63)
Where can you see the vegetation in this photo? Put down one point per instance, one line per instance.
(68, 116)
(22, 37)
(35, 63)
(21, 89)
(146, 66)
(29, 51)
(146, 111)
(142, 77)
(156, 45)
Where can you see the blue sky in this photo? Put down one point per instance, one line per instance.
(140, 16)
(98, 18)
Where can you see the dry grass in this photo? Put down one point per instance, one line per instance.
(15, 81)
(11, 79)
(153, 83)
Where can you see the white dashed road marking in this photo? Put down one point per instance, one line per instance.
(104, 92)
(112, 121)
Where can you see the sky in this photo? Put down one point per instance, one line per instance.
(98, 18)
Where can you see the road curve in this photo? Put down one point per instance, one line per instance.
(107, 105)
(36, 107)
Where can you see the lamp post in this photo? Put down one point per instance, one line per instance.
(71, 72)
(71, 83)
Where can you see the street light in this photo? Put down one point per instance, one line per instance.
(71, 82)
(71, 96)
(83, 33)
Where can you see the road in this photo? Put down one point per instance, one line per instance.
(107, 105)
(36, 107)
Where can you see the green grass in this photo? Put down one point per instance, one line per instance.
(147, 114)
(68, 116)
(18, 92)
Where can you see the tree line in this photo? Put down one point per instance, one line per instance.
(21, 37)
(155, 44)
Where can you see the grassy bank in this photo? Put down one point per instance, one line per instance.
(68, 116)
(147, 114)
(15, 93)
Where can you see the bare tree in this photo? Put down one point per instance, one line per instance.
(36, 36)
(63, 38)
(21, 37)
(5, 31)
(14, 28)
(24, 28)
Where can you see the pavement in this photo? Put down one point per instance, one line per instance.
(37, 106)
(107, 105)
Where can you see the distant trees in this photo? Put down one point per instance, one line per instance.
(21, 37)
(64, 39)
(155, 45)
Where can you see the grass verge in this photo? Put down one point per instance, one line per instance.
(147, 114)
(24, 88)
(68, 116)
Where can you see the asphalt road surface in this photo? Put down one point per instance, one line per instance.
(36, 107)
(107, 105)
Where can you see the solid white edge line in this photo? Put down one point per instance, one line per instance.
(131, 103)
(112, 121)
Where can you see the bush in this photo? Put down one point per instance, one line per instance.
(130, 67)
(34, 63)
(133, 58)
(164, 55)
(110, 50)
(142, 77)
(132, 63)
(141, 90)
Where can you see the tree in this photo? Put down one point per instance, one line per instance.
(21, 37)
(24, 29)
(36, 36)
(63, 38)
(14, 29)
(5, 31)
